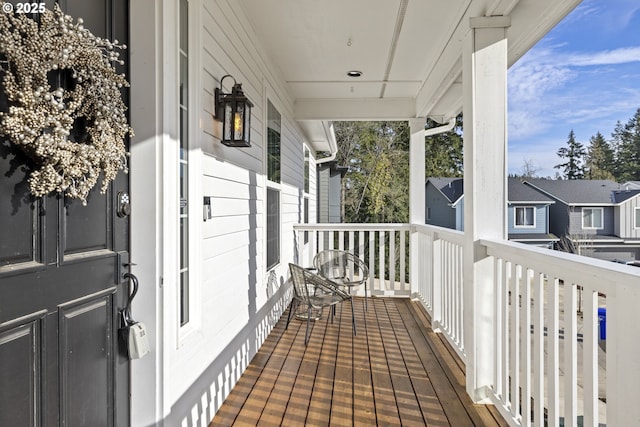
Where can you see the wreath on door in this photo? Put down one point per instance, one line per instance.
(58, 78)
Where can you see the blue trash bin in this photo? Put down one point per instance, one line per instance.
(602, 319)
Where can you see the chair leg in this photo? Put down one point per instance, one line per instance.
(292, 308)
(306, 333)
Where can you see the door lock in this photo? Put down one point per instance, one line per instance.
(123, 208)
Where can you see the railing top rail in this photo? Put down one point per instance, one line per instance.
(591, 272)
(351, 227)
(448, 234)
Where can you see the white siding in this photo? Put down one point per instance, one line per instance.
(239, 301)
(625, 219)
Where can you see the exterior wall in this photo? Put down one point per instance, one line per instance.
(540, 220)
(323, 194)
(235, 302)
(329, 194)
(460, 215)
(625, 216)
(620, 253)
(575, 222)
(442, 214)
(558, 218)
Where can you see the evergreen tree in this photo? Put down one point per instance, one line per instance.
(574, 153)
(626, 143)
(444, 152)
(599, 159)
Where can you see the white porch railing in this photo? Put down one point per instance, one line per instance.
(548, 366)
(373, 243)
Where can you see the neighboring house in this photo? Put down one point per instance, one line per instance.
(528, 215)
(444, 202)
(600, 217)
(330, 192)
(527, 210)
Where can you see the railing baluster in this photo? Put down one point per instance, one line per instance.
(590, 357)
(538, 350)
(525, 354)
(514, 341)
(403, 255)
(383, 282)
(553, 372)
(372, 259)
(392, 260)
(570, 367)
(504, 354)
(499, 291)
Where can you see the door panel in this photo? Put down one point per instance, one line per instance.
(17, 216)
(61, 362)
(20, 373)
(87, 227)
(87, 368)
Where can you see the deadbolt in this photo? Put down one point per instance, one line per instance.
(123, 208)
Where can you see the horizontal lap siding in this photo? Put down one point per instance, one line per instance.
(237, 303)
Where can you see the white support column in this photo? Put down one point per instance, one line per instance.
(484, 72)
(416, 194)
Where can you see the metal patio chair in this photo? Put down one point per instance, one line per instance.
(343, 268)
(314, 292)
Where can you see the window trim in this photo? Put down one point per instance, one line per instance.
(274, 186)
(601, 218)
(636, 210)
(515, 217)
(186, 332)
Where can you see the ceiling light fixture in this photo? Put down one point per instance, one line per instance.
(354, 73)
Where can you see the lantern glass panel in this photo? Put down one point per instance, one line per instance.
(238, 122)
(227, 126)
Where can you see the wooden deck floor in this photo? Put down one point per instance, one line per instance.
(396, 371)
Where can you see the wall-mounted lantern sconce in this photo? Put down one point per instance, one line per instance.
(234, 111)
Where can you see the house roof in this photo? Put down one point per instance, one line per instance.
(451, 188)
(409, 52)
(620, 196)
(518, 192)
(577, 191)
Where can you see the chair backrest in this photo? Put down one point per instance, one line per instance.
(301, 288)
(338, 264)
(332, 264)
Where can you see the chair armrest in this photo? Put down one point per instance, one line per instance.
(326, 285)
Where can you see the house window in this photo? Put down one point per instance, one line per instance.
(592, 218)
(183, 164)
(307, 179)
(637, 216)
(306, 170)
(525, 216)
(273, 185)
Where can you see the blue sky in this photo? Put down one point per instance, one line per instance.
(584, 75)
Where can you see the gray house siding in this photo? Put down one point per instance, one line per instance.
(329, 194)
(438, 211)
(626, 226)
(575, 220)
(558, 218)
(540, 220)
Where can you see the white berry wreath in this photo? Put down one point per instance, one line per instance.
(39, 118)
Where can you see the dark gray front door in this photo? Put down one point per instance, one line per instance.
(61, 359)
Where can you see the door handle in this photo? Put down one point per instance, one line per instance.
(126, 312)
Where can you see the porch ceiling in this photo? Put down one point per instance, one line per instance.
(409, 51)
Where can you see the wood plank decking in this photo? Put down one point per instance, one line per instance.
(396, 371)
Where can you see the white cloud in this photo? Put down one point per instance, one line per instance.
(608, 57)
(549, 85)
